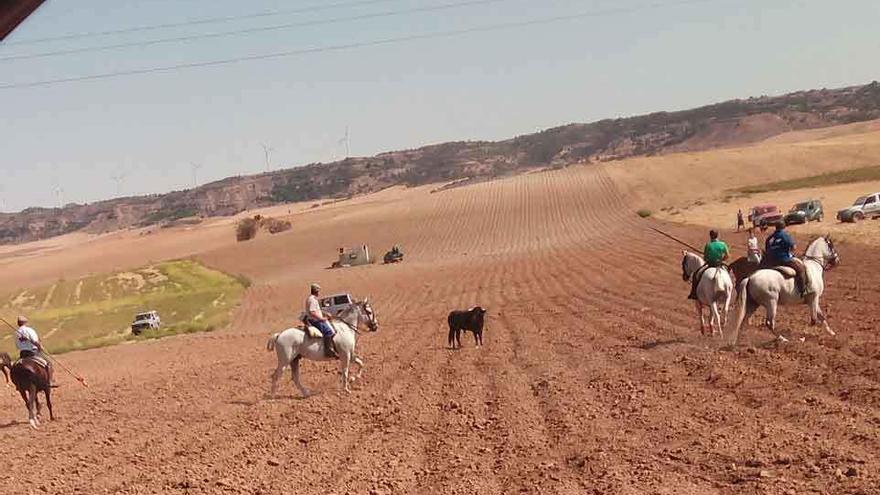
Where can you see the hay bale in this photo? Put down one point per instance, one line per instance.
(246, 229)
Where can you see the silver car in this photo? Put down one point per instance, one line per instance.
(863, 207)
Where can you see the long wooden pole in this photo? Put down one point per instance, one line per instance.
(675, 239)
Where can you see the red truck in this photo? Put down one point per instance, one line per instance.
(762, 216)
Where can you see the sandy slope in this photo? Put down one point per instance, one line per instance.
(593, 379)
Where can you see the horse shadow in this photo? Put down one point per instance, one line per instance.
(12, 424)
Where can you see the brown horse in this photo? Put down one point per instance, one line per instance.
(5, 365)
(30, 378)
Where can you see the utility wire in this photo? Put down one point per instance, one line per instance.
(348, 46)
(237, 32)
(195, 22)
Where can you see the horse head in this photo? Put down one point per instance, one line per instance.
(367, 315)
(690, 262)
(822, 250)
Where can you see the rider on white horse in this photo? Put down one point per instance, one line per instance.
(780, 248)
(316, 318)
(715, 252)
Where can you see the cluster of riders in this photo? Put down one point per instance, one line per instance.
(776, 276)
(769, 278)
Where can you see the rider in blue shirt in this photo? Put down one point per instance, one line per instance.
(780, 248)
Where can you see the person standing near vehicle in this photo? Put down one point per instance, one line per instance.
(740, 222)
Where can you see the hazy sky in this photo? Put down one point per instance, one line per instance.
(632, 56)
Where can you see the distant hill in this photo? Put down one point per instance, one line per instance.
(730, 123)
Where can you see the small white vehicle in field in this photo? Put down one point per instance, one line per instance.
(335, 304)
(145, 321)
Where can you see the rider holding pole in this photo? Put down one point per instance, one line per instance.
(714, 253)
(28, 344)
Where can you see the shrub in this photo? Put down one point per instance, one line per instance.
(644, 213)
(246, 229)
(274, 225)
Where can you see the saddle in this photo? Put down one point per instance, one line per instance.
(35, 359)
(787, 272)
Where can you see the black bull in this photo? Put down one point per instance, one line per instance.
(472, 319)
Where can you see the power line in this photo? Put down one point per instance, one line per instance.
(194, 22)
(237, 32)
(348, 46)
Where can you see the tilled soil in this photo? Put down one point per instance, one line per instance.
(594, 377)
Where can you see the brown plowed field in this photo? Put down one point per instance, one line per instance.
(593, 379)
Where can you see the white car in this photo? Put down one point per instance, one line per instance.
(335, 304)
(145, 321)
(864, 207)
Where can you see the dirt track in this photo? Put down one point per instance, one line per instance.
(593, 380)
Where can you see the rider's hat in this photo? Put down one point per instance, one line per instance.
(22, 319)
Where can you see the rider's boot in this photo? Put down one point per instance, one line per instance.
(329, 350)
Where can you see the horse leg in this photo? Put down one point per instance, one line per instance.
(714, 318)
(821, 317)
(344, 363)
(360, 365)
(276, 375)
(48, 393)
(698, 306)
(294, 373)
(32, 409)
(39, 406)
(772, 307)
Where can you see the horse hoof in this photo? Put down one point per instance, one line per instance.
(33, 423)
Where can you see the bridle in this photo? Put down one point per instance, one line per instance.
(360, 308)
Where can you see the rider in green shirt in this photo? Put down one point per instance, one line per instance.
(715, 252)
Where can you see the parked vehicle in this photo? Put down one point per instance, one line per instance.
(863, 207)
(806, 211)
(763, 216)
(145, 321)
(335, 304)
(393, 256)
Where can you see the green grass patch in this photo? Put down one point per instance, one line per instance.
(98, 310)
(864, 174)
(644, 213)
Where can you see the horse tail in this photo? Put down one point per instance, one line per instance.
(742, 293)
(270, 346)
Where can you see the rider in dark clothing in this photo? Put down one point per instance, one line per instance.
(780, 248)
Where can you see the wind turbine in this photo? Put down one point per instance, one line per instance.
(346, 141)
(59, 195)
(266, 150)
(119, 177)
(195, 169)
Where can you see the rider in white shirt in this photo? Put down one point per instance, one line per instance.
(28, 343)
(316, 318)
(753, 251)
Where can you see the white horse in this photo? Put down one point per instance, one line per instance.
(770, 288)
(294, 344)
(714, 289)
